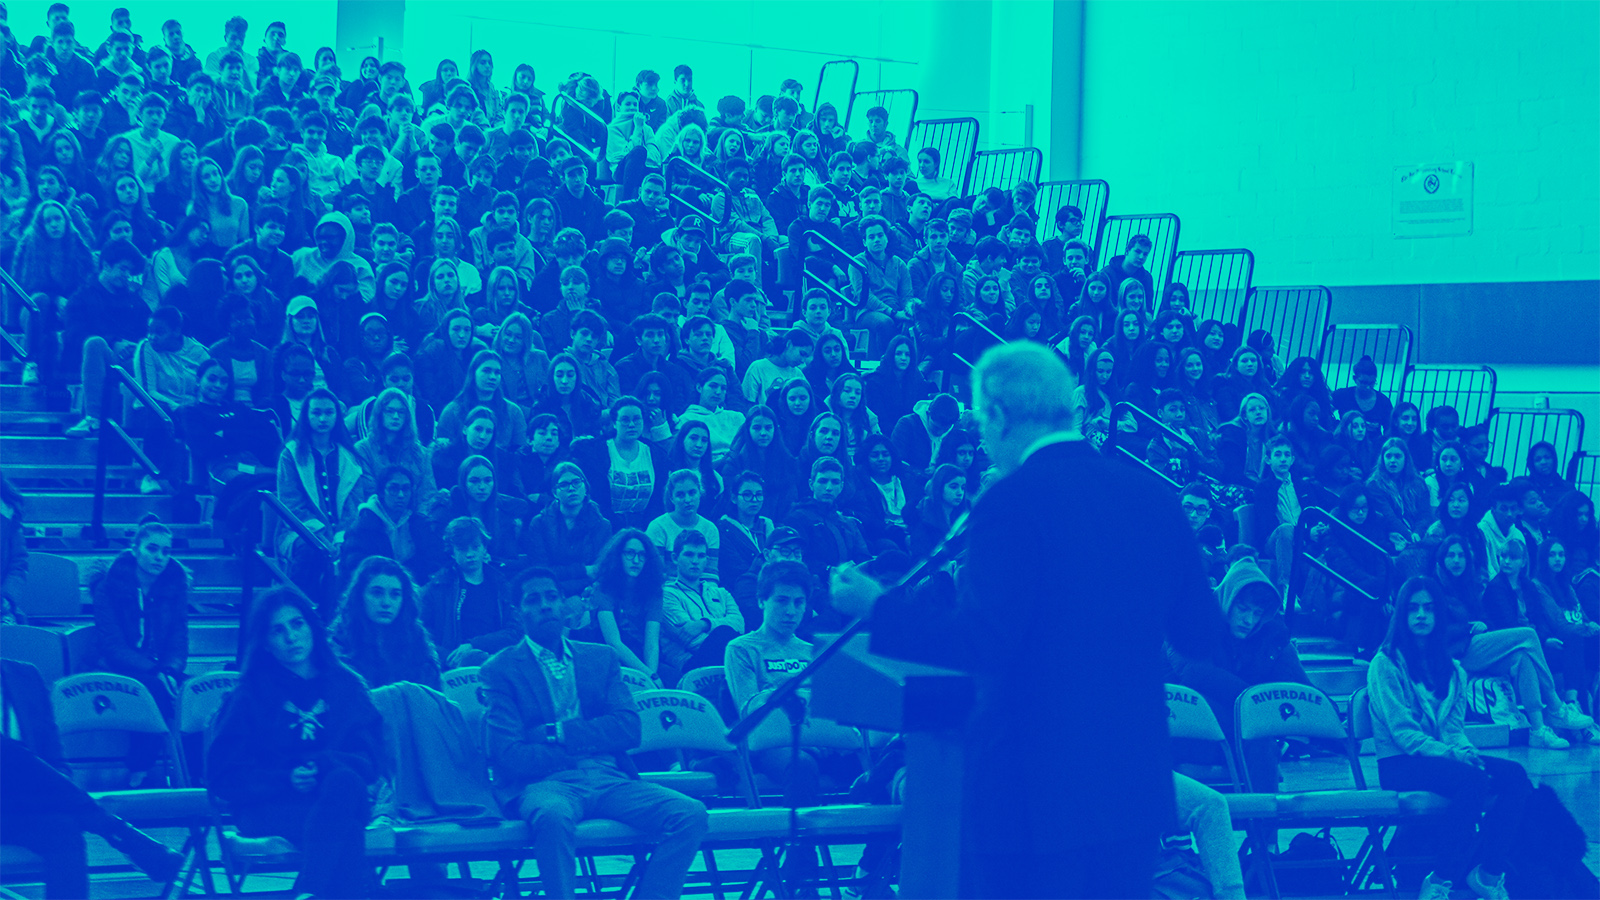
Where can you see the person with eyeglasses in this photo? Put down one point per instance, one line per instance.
(743, 530)
(568, 535)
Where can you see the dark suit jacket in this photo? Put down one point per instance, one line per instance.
(518, 697)
(1076, 565)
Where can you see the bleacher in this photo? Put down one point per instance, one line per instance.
(84, 502)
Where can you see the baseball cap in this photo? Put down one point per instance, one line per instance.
(693, 223)
(298, 303)
(323, 81)
(784, 535)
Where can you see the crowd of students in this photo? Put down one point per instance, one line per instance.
(493, 400)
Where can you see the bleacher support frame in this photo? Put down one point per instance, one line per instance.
(1296, 317)
(1163, 229)
(944, 135)
(1218, 281)
(1003, 169)
(1583, 472)
(891, 99)
(1469, 389)
(842, 104)
(1090, 195)
(1513, 431)
(1344, 345)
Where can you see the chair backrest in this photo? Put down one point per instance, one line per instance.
(102, 701)
(201, 698)
(707, 681)
(51, 588)
(44, 649)
(1190, 716)
(1285, 709)
(1360, 715)
(462, 687)
(679, 720)
(83, 649)
(636, 680)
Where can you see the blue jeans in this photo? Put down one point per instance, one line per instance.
(554, 807)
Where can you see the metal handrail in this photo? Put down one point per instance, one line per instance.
(564, 97)
(963, 314)
(1312, 515)
(111, 408)
(1317, 512)
(684, 161)
(825, 286)
(1113, 438)
(849, 257)
(293, 521)
(17, 350)
(577, 145)
(690, 206)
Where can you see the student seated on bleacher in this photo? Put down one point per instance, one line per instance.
(559, 724)
(378, 631)
(298, 746)
(1419, 705)
(699, 616)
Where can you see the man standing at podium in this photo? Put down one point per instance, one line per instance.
(1077, 565)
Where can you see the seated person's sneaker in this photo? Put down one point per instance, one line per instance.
(1546, 738)
(89, 425)
(1489, 887)
(1434, 889)
(30, 373)
(1569, 716)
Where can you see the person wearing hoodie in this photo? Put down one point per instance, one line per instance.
(831, 537)
(387, 524)
(1256, 649)
(335, 241)
(1418, 698)
(464, 606)
(711, 392)
(918, 435)
(567, 536)
(298, 746)
(141, 614)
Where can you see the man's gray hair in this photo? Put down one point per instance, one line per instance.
(1029, 381)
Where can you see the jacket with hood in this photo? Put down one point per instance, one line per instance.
(309, 264)
(1266, 654)
(297, 488)
(403, 540)
(1404, 723)
(137, 636)
(547, 541)
(913, 438)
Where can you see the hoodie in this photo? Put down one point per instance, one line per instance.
(308, 261)
(1266, 653)
(914, 440)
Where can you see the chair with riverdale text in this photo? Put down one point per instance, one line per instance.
(1413, 804)
(1280, 710)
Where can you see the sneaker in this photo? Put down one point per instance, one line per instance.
(1545, 737)
(148, 485)
(1434, 889)
(89, 425)
(30, 373)
(1569, 716)
(1489, 887)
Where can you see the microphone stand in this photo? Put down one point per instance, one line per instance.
(786, 694)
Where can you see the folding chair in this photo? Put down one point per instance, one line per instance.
(104, 702)
(710, 682)
(83, 649)
(1413, 804)
(636, 680)
(42, 648)
(1279, 710)
(462, 687)
(51, 589)
(1190, 717)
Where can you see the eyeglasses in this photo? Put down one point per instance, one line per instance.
(633, 554)
(1197, 507)
(750, 495)
(568, 486)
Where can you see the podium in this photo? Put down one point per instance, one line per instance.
(929, 706)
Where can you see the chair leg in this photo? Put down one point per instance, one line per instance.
(829, 876)
(712, 874)
(1380, 861)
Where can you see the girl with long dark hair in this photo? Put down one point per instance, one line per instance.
(298, 746)
(943, 502)
(626, 599)
(758, 449)
(691, 449)
(482, 387)
(1561, 617)
(896, 386)
(379, 630)
(393, 440)
(1419, 702)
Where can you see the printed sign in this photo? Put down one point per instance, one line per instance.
(1433, 200)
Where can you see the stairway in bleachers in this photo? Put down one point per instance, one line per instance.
(56, 474)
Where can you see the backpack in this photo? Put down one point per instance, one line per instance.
(1547, 851)
(1320, 881)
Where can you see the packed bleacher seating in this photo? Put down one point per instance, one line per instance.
(379, 402)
